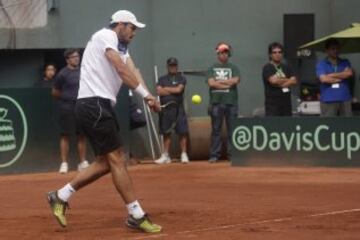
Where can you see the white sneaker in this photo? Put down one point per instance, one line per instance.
(64, 167)
(184, 158)
(84, 164)
(164, 159)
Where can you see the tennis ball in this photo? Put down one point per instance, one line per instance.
(196, 99)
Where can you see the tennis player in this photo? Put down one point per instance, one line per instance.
(103, 70)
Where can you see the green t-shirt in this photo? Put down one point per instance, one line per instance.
(220, 71)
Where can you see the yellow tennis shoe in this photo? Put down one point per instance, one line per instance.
(144, 224)
(58, 207)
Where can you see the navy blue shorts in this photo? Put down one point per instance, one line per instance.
(99, 123)
(181, 124)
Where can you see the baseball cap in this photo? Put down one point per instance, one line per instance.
(125, 16)
(223, 47)
(172, 61)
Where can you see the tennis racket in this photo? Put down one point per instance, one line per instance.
(168, 116)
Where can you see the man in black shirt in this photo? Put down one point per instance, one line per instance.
(65, 89)
(277, 78)
(171, 88)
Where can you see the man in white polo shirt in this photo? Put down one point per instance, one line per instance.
(103, 70)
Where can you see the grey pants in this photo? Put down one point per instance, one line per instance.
(336, 109)
(218, 112)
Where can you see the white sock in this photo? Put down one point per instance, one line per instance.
(65, 193)
(135, 210)
(166, 154)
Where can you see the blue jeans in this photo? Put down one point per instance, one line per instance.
(217, 113)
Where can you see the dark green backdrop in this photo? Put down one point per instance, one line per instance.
(41, 151)
(307, 141)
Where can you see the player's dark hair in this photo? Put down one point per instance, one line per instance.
(70, 51)
(113, 25)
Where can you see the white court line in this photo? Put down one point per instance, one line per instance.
(336, 212)
(275, 220)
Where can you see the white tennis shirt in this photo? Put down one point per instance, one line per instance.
(98, 77)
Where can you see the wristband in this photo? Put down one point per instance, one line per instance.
(141, 91)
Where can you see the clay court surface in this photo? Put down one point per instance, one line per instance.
(194, 201)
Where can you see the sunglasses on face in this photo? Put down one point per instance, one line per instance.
(276, 52)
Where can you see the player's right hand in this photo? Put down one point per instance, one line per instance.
(152, 103)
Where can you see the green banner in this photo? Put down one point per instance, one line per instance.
(29, 130)
(310, 141)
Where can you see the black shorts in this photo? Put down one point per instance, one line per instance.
(181, 124)
(99, 123)
(67, 118)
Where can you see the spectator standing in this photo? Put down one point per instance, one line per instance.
(277, 78)
(170, 88)
(222, 78)
(65, 89)
(48, 75)
(334, 74)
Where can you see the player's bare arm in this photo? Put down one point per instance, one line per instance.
(150, 100)
(128, 77)
(130, 63)
(122, 69)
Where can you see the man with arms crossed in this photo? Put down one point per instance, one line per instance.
(278, 77)
(171, 88)
(103, 71)
(222, 78)
(334, 74)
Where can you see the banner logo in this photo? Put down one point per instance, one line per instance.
(13, 131)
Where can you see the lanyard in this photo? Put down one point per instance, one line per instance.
(335, 68)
